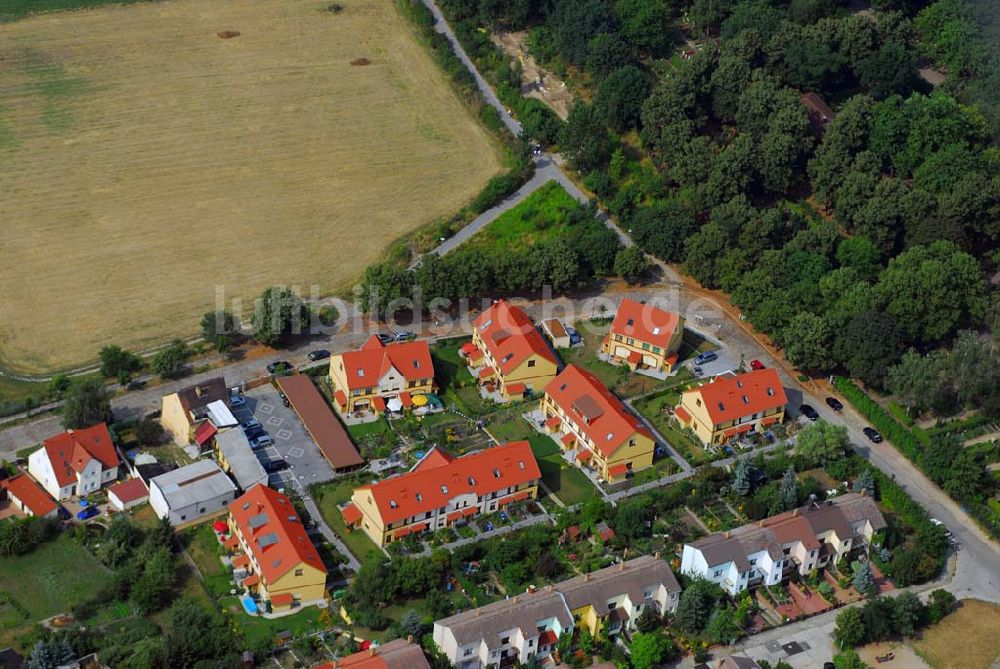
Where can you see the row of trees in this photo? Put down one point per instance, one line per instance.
(884, 617)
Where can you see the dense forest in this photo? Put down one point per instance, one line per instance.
(849, 241)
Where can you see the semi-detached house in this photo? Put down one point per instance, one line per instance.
(76, 462)
(588, 420)
(768, 551)
(507, 354)
(644, 337)
(733, 406)
(367, 380)
(442, 490)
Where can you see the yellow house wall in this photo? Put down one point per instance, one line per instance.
(587, 619)
(610, 346)
(702, 425)
(174, 419)
(371, 520)
(536, 377)
(639, 454)
(338, 378)
(310, 586)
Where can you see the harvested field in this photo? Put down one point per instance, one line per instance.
(146, 160)
(969, 638)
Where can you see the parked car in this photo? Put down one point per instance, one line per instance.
(707, 356)
(873, 435)
(698, 371)
(834, 403)
(756, 364)
(384, 338)
(574, 336)
(89, 512)
(404, 335)
(262, 441)
(272, 466)
(254, 435)
(279, 367)
(809, 412)
(236, 400)
(251, 424)
(318, 354)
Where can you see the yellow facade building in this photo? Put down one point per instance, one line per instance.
(644, 337)
(732, 406)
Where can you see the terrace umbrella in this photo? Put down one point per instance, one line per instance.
(395, 404)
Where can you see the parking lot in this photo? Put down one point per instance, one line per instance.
(723, 364)
(306, 465)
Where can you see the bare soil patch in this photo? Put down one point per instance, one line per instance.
(536, 82)
(146, 164)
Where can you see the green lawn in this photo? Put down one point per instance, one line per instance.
(566, 482)
(256, 627)
(653, 409)
(455, 384)
(205, 550)
(540, 216)
(328, 496)
(364, 431)
(53, 577)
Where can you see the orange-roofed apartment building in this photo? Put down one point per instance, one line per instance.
(76, 462)
(644, 337)
(507, 354)
(366, 380)
(442, 490)
(584, 416)
(731, 406)
(278, 561)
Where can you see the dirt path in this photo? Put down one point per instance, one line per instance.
(536, 81)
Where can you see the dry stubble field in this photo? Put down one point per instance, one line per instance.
(145, 161)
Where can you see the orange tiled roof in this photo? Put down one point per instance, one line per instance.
(510, 336)
(31, 494)
(424, 489)
(734, 397)
(645, 323)
(275, 534)
(434, 458)
(70, 451)
(396, 654)
(129, 491)
(351, 513)
(590, 405)
(363, 368)
(682, 414)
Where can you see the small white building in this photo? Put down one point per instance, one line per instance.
(127, 494)
(192, 493)
(76, 462)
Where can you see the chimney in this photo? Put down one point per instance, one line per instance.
(621, 566)
(198, 391)
(795, 512)
(371, 651)
(727, 535)
(586, 577)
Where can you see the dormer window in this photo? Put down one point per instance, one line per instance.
(361, 372)
(496, 473)
(419, 497)
(392, 504)
(472, 480)
(746, 400)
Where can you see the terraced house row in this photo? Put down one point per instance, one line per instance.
(530, 624)
(375, 377)
(442, 490)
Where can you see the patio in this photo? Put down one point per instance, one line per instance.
(657, 374)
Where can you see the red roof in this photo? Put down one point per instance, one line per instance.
(379, 403)
(351, 513)
(487, 372)
(734, 397)
(618, 470)
(510, 336)
(682, 414)
(553, 421)
(634, 357)
(434, 458)
(204, 432)
(364, 368)
(70, 451)
(133, 490)
(548, 638)
(645, 323)
(252, 579)
(516, 389)
(591, 406)
(340, 397)
(584, 455)
(769, 420)
(396, 654)
(406, 400)
(271, 528)
(467, 348)
(220, 526)
(241, 561)
(31, 495)
(424, 489)
(672, 359)
(282, 599)
(320, 422)
(567, 438)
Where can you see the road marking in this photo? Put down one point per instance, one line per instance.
(295, 451)
(266, 408)
(284, 435)
(275, 420)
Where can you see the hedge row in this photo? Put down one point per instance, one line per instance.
(891, 429)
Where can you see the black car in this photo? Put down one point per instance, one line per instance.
(384, 338)
(272, 466)
(808, 412)
(873, 435)
(279, 367)
(318, 354)
(834, 403)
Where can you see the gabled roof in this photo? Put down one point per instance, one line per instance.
(510, 336)
(645, 323)
(598, 413)
(70, 451)
(396, 654)
(31, 494)
(200, 395)
(330, 436)
(129, 491)
(734, 397)
(272, 528)
(423, 489)
(524, 612)
(631, 578)
(364, 367)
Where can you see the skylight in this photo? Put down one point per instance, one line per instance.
(485, 325)
(361, 372)
(630, 322)
(472, 480)
(722, 407)
(392, 504)
(444, 489)
(420, 497)
(746, 400)
(496, 473)
(520, 464)
(656, 331)
(416, 364)
(770, 391)
(610, 436)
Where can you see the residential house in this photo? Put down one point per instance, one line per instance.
(29, 498)
(381, 377)
(530, 624)
(442, 490)
(127, 494)
(278, 562)
(768, 551)
(183, 412)
(507, 354)
(612, 599)
(587, 419)
(734, 662)
(732, 406)
(510, 630)
(644, 337)
(395, 654)
(76, 462)
(238, 459)
(322, 425)
(190, 494)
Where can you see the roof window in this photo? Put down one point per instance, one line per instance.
(444, 489)
(361, 372)
(472, 480)
(496, 473)
(420, 497)
(630, 322)
(746, 400)
(770, 391)
(722, 407)
(392, 504)
(656, 331)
